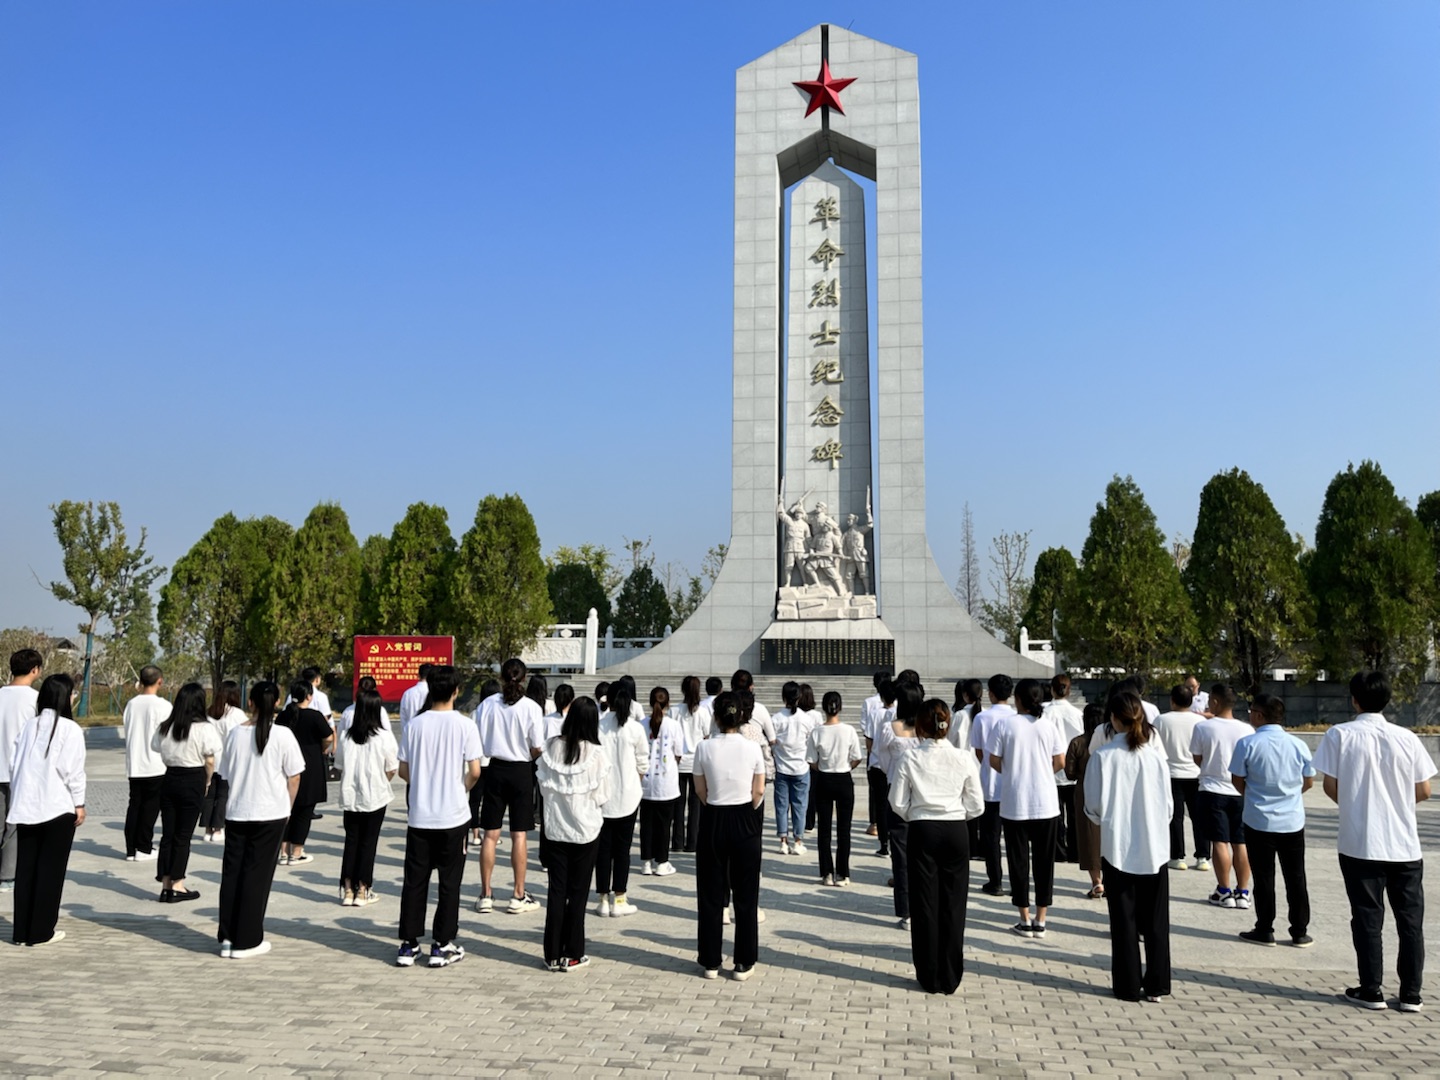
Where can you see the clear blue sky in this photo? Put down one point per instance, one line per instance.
(255, 255)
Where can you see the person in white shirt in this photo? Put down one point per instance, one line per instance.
(969, 694)
(1176, 730)
(1070, 721)
(188, 744)
(622, 737)
(1199, 699)
(225, 713)
(575, 776)
(832, 751)
(1027, 749)
(367, 756)
(554, 723)
(879, 787)
(895, 738)
(17, 708)
(144, 714)
(1127, 793)
(730, 777)
(47, 779)
(413, 699)
(793, 725)
(936, 789)
(982, 734)
(439, 758)
(512, 735)
(319, 700)
(693, 716)
(870, 711)
(660, 786)
(1376, 772)
(262, 764)
(1222, 810)
(348, 716)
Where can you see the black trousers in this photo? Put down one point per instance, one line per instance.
(247, 871)
(1031, 844)
(1139, 907)
(570, 868)
(879, 804)
(834, 795)
(1264, 848)
(429, 851)
(141, 814)
(727, 854)
(297, 829)
(686, 825)
(899, 862)
(182, 792)
(476, 796)
(990, 845)
(1186, 795)
(810, 809)
(217, 800)
(656, 818)
(612, 862)
(362, 839)
(938, 863)
(1367, 884)
(1065, 844)
(42, 854)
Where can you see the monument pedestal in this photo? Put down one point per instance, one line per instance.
(827, 647)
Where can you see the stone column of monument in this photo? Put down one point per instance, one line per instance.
(829, 96)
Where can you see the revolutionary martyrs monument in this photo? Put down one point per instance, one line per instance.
(828, 568)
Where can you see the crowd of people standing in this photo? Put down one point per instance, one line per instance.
(1108, 786)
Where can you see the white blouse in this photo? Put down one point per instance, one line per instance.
(628, 751)
(662, 777)
(203, 741)
(696, 726)
(364, 787)
(47, 777)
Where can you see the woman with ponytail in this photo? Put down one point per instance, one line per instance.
(367, 756)
(188, 744)
(47, 805)
(622, 738)
(660, 787)
(1127, 793)
(512, 735)
(315, 737)
(693, 716)
(262, 764)
(226, 715)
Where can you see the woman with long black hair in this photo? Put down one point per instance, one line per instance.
(367, 756)
(263, 764)
(622, 737)
(893, 740)
(314, 736)
(188, 744)
(47, 805)
(660, 787)
(225, 713)
(833, 751)
(694, 720)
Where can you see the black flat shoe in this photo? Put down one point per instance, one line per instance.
(167, 896)
(179, 896)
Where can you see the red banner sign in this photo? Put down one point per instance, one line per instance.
(394, 662)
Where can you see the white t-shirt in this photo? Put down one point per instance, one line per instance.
(143, 716)
(319, 702)
(554, 724)
(1071, 722)
(1149, 709)
(832, 747)
(695, 725)
(17, 706)
(202, 741)
(348, 717)
(510, 732)
(982, 734)
(882, 716)
(364, 787)
(439, 746)
(259, 788)
(1201, 703)
(232, 719)
(760, 718)
(959, 734)
(1376, 765)
(662, 775)
(1127, 793)
(1214, 743)
(729, 763)
(48, 771)
(1026, 746)
(792, 732)
(869, 711)
(412, 699)
(1177, 731)
(627, 749)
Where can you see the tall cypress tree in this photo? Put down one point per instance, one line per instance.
(313, 593)
(500, 597)
(413, 594)
(1054, 575)
(642, 609)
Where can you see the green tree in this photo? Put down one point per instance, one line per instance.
(104, 576)
(414, 593)
(499, 583)
(372, 562)
(574, 590)
(1127, 609)
(1428, 511)
(1054, 575)
(642, 608)
(1372, 574)
(1243, 576)
(599, 558)
(312, 593)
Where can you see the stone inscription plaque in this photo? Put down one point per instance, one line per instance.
(825, 656)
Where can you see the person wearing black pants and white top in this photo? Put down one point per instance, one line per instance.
(144, 770)
(622, 737)
(368, 758)
(893, 740)
(226, 715)
(833, 751)
(315, 737)
(512, 734)
(730, 778)
(694, 719)
(17, 708)
(47, 805)
(188, 744)
(440, 760)
(262, 764)
(936, 789)
(1128, 794)
(982, 733)
(1027, 748)
(879, 714)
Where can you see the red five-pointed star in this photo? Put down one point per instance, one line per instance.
(825, 90)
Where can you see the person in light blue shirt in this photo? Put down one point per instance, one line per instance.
(1272, 771)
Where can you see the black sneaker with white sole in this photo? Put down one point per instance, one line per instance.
(1366, 999)
(445, 955)
(1411, 1005)
(1024, 929)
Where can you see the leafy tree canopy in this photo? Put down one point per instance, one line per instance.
(642, 608)
(501, 599)
(413, 594)
(1054, 574)
(312, 593)
(574, 590)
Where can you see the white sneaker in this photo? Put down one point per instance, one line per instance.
(829, 879)
(622, 907)
(1177, 864)
(729, 917)
(485, 904)
(784, 846)
(665, 869)
(247, 954)
(521, 904)
(225, 950)
(797, 848)
(54, 939)
(1202, 864)
(147, 856)
(759, 914)
(648, 867)
(218, 837)
(602, 907)
(843, 882)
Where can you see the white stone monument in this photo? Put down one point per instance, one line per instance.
(828, 569)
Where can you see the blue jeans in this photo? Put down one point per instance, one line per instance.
(791, 795)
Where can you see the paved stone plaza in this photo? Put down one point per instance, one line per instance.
(136, 988)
